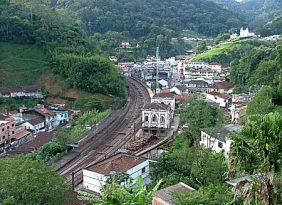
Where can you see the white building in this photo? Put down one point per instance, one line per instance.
(96, 176)
(164, 98)
(179, 90)
(35, 125)
(246, 33)
(156, 115)
(221, 87)
(216, 67)
(197, 65)
(163, 83)
(223, 100)
(220, 142)
(29, 92)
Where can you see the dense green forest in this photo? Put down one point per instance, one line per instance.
(67, 47)
(150, 23)
(258, 13)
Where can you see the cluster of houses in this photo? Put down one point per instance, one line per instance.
(177, 80)
(24, 92)
(23, 125)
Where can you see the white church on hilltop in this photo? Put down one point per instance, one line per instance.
(245, 33)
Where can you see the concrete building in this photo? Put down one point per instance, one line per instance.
(28, 92)
(221, 87)
(156, 115)
(164, 98)
(34, 125)
(7, 130)
(245, 33)
(220, 142)
(224, 100)
(96, 176)
(179, 90)
(166, 196)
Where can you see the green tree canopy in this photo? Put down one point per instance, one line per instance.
(30, 182)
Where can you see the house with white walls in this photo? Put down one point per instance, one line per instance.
(219, 142)
(223, 100)
(34, 125)
(97, 175)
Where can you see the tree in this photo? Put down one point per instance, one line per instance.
(262, 102)
(201, 47)
(114, 194)
(27, 181)
(192, 165)
(257, 152)
(210, 195)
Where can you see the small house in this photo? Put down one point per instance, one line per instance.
(97, 175)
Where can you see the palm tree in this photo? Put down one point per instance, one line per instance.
(256, 152)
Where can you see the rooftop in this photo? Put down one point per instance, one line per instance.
(119, 163)
(156, 106)
(21, 134)
(167, 194)
(163, 95)
(222, 85)
(221, 95)
(45, 112)
(36, 121)
(36, 143)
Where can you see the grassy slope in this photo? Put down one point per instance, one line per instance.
(24, 65)
(20, 65)
(225, 48)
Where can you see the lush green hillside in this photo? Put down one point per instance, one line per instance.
(66, 46)
(254, 63)
(229, 51)
(258, 13)
(20, 65)
(150, 22)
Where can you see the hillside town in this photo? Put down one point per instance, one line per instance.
(140, 102)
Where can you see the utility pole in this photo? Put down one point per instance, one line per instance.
(157, 70)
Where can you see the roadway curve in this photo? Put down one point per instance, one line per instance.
(115, 131)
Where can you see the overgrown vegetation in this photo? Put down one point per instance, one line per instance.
(149, 23)
(64, 136)
(20, 65)
(67, 47)
(25, 181)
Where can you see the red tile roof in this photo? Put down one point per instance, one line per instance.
(21, 134)
(181, 87)
(36, 143)
(165, 90)
(45, 112)
(184, 97)
(222, 85)
(220, 95)
(119, 163)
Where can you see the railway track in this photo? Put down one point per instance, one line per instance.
(116, 130)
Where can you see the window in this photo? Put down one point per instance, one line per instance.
(143, 170)
(162, 119)
(220, 144)
(154, 118)
(146, 118)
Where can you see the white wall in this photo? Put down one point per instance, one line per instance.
(222, 102)
(94, 181)
(159, 113)
(210, 142)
